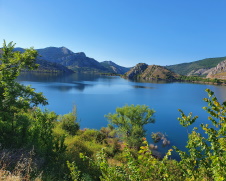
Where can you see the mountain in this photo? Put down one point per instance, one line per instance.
(219, 71)
(78, 62)
(200, 67)
(46, 66)
(75, 61)
(150, 72)
(113, 67)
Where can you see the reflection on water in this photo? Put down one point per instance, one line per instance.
(56, 77)
(142, 87)
(69, 87)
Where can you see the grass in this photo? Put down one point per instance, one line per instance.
(18, 165)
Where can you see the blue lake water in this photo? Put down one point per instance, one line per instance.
(96, 96)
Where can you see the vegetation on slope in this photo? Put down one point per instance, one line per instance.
(78, 62)
(59, 150)
(146, 72)
(46, 66)
(186, 68)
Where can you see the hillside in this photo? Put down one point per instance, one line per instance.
(78, 61)
(219, 71)
(47, 66)
(111, 66)
(53, 59)
(150, 72)
(200, 67)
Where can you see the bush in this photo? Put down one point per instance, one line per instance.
(68, 122)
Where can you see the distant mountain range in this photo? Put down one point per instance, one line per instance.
(53, 59)
(63, 59)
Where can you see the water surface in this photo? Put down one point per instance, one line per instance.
(96, 96)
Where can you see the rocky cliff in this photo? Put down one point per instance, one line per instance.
(150, 72)
(218, 72)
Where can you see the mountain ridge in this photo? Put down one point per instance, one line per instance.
(77, 62)
(199, 67)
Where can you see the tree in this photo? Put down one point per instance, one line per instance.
(206, 157)
(130, 121)
(68, 122)
(14, 97)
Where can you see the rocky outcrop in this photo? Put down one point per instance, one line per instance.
(200, 72)
(219, 71)
(150, 72)
(136, 71)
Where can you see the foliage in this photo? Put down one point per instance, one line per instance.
(200, 79)
(108, 131)
(143, 167)
(14, 97)
(68, 122)
(22, 125)
(130, 121)
(206, 158)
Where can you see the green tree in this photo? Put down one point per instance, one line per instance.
(68, 122)
(206, 157)
(14, 97)
(130, 121)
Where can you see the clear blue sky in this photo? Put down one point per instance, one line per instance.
(161, 32)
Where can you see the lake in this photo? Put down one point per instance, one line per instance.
(96, 96)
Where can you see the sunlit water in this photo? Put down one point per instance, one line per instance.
(96, 96)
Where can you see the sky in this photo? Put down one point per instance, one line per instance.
(127, 32)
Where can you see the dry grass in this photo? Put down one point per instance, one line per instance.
(17, 165)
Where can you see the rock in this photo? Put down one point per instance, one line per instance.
(153, 147)
(219, 71)
(137, 70)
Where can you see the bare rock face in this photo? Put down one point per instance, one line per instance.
(219, 71)
(200, 72)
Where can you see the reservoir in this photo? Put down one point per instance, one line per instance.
(95, 96)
